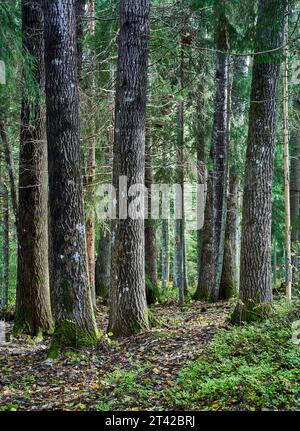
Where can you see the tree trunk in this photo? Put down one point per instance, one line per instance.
(295, 193)
(103, 261)
(206, 261)
(288, 281)
(33, 310)
(176, 234)
(178, 228)
(179, 239)
(90, 186)
(255, 293)
(238, 240)
(213, 233)
(71, 298)
(184, 263)
(201, 168)
(10, 167)
(275, 263)
(79, 11)
(5, 249)
(150, 232)
(5, 246)
(165, 253)
(102, 270)
(128, 307)
(228, 285)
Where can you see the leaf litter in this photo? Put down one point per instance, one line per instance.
(128, 373)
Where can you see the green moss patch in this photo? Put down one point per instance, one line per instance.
(68, 334)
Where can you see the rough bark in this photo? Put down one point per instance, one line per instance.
(179, 231)
(213, 233)
(5, 247)
(71, 298)
(33, 310)
(238, 236)
(165, 253)
(79, 11)
(275, 263)
(10, 167)
(184, 260)
(286, 157)
(295, 192)
(90, 185)
(102, 270)
(179, 222)
(255, 293)
(103, 261)
(228, 285)
(200, 150)
(150, 232)
(176, 234)
(207, 257)
(128, 307)
(5, 244)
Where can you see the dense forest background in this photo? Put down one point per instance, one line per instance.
(194, 91)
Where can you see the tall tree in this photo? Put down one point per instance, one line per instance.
(79, 11)
(5, 247)
(4, 200)
(10, 167)
(213, 234)
(71, 298)
(179, 228)
(295, 190)
(90, 182)
(255, 293)
(33, 311)
(150, 230)
(103, 261)
(128, 308)
(288, 251)
(228, 285)
(200, 125)
(179, 222)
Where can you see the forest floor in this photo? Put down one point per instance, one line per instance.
(127, 374)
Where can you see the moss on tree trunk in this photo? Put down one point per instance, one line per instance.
(68, 335)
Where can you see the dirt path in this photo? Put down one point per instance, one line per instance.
(126, 374)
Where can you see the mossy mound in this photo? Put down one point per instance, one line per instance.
(26, 325)
(68, 335)
(250, 311)
(201, 295)
(227, 291)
